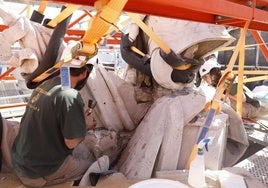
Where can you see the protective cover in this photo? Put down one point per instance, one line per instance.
(180, 35)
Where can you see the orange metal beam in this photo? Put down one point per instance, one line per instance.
(224, 12)
(202, 10)
(12, 105)
(256, 35)
(77, 20)
(3, 27)
(5, 75)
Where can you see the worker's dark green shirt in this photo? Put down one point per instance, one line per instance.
(52, 114)
(249, 95)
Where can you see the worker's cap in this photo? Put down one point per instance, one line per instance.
(91, 62)
(83, 61)
(207, 66)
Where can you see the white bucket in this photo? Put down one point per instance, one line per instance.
(159, 183)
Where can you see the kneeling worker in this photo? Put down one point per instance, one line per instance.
(210, 72)
(53, 124)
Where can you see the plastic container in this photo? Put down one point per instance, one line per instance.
(196, 176)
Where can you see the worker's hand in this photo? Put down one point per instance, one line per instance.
(90, 120)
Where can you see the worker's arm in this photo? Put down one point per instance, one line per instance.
(90, 124)
(90, 120)
(72, 143)
(234, 97)
(233, 93)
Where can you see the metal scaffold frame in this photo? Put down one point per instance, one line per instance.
(234, 13)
